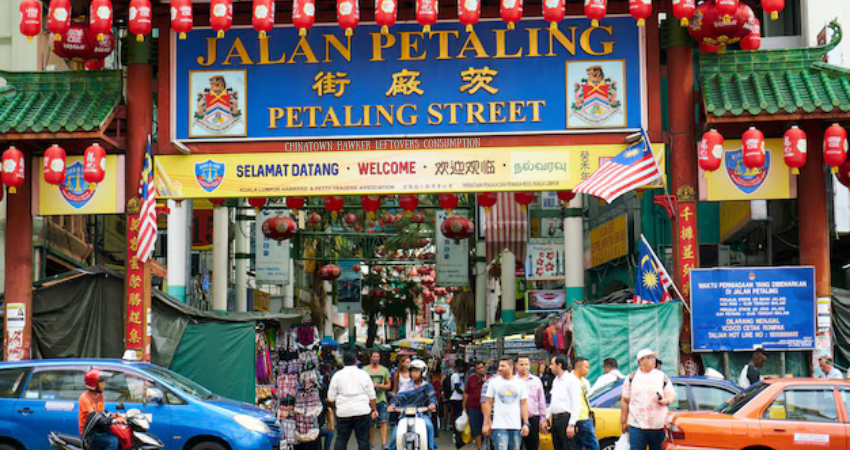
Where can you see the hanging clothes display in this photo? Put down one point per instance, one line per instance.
(299, 383)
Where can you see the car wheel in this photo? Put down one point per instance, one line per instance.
(607, 444)
(206, 445)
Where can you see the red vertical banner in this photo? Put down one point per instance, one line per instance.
(137, 328)
(687, 258)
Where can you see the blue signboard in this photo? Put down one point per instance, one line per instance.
(409, 83)
(746, 308)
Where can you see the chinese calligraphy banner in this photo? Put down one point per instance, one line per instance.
(452, 265)
(136, 315)
(380, 172)
(609, 241)
(688, 245)
(408, 83)
(76, 195)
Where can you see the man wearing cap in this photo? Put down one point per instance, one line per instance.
(646, 394)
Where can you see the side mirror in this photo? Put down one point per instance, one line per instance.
(154, 395)
(120, 406)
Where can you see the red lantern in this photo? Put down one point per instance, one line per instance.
(295, 203)
(684, 10)
(334, 204)
(100, 18)
(59, 18)
(595, 10)
(440, 310)
(330, 272)
(387, 219)
(487, 200)
(355, 268)
(835, 146)
(708, 28)
(844, 173)
(181, 17)
(348, 15)
(314, 219)
(94, 164)
(457, 228)
(30, 18)
(753, 145)
(279, 228)
(399, 269)
(412, 272)
(707, 48)
(257, 203)
(553, 12)
(794, 147)
(424, 270)
(217, 202)
(710, 151)
(408, 203)
(752, 41)
(378, 268)
(426, 13)
(524, 199)
(773, 7)
(141, 15)
(418, 218)
(511, 12)
(726, 8)
(350, 219)
(441, 292)
(640, 10)
(386, 12)
(54, 165)
(566, 196)
(303, 15)
(14, 166)
(448, 202)
(469, 12)
(80, 44)
(221, 16)
(263, 17)
(370, 204)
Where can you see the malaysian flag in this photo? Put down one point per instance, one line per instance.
(652, 278)
(632, 168)
(506, 227)
(147, 215)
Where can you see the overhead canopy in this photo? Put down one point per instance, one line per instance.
(525, 325)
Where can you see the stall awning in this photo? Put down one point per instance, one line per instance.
(522, 326)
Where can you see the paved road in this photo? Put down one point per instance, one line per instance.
(444, 442)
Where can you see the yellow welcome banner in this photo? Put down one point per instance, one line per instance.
(550, 168)
(76, 195)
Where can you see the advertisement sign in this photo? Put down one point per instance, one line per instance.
(452, 260)
(271, 258)
(259, 300)
(734, 181)
(408, 83)
(545, 301)
(609, 241)
(750, 307)
(545, 260)
(380, 172)
(16, 322)
(76, 195)
(348, 286)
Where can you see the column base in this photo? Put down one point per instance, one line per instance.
(178, 292)
(508, 316)
(480, 325)
(574, 294)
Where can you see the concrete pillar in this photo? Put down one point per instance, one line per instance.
(329, 310)
(221, 223)
(179, 224)
(480, 285)
(243, 248)
(19, 275)
(574, 251)
(289, 289)
(508, 286)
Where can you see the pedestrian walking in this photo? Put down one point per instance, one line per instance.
(353, 395)
(829, 369)
(507, 404)
(401, 379)
(472, 401)
(564, 407)
(536, 402)
(643, 409)
(585, 438)
(750, 374)
(612, 374)
(456, 398)
(380, 376)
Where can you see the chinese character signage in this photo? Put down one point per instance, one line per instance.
(687, 257)
(136, 317)
(734, 181)
(452, 264)
(609, 241)
(271, 257)
(78, 196)
(749, 307)
(326, 85)
(377, 172)
(545, 259)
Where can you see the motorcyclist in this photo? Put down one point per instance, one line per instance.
(90, 402)
(422, 394)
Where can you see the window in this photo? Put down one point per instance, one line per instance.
(734, 404)
(12, 381)
(681, 403)
(125, 387)
(708, 398)
(845, 395)
(810, 405)
(63, 384)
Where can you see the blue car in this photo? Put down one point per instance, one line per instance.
(37, 397)
(692, 394)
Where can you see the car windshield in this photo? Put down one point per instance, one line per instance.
(737, 402)
(604, 389)
(182, 383)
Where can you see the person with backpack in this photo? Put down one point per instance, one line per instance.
(647, 392)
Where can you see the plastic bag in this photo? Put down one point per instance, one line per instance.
(466, 434)
(461, 422)
(623, 443)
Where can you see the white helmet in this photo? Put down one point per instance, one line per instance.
(419, 365)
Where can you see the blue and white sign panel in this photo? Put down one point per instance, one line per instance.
(746, 308)
(409, 83)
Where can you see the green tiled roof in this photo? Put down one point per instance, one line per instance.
(771, 82)
(52, 102)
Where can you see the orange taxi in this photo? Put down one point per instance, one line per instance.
(790, 413)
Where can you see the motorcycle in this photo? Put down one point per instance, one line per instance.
(412, 433)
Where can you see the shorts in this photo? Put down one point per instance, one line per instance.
(476, 421)
(382, 413)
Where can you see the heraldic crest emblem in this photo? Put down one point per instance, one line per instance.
(596, 99)
(217, 107)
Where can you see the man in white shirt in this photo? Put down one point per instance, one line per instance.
(456, 398)
(612, 374)
(352, 393)
(829, 369)
(507, 400)
(564, 407)
(643, 410)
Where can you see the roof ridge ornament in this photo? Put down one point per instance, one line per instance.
(836, 37)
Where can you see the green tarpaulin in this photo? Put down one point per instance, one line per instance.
(621, 331)
(523, 326)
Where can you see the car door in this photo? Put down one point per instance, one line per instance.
(12, 382)
(49, 403)
(844, 392)
(682, 402)
(708, 397)
(130, 388)
(804, 417)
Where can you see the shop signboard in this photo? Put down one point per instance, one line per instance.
(271, 258)
(545, 260)
(503, 169)
(259, 300)
(408, 83)
(609, 241)
(751, 307)
(348, 286)
(734, 181)
(519, 346)
(545, 300)
(452, 264)
(76, 195)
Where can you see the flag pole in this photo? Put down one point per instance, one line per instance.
(673, 212)
(672, 283)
